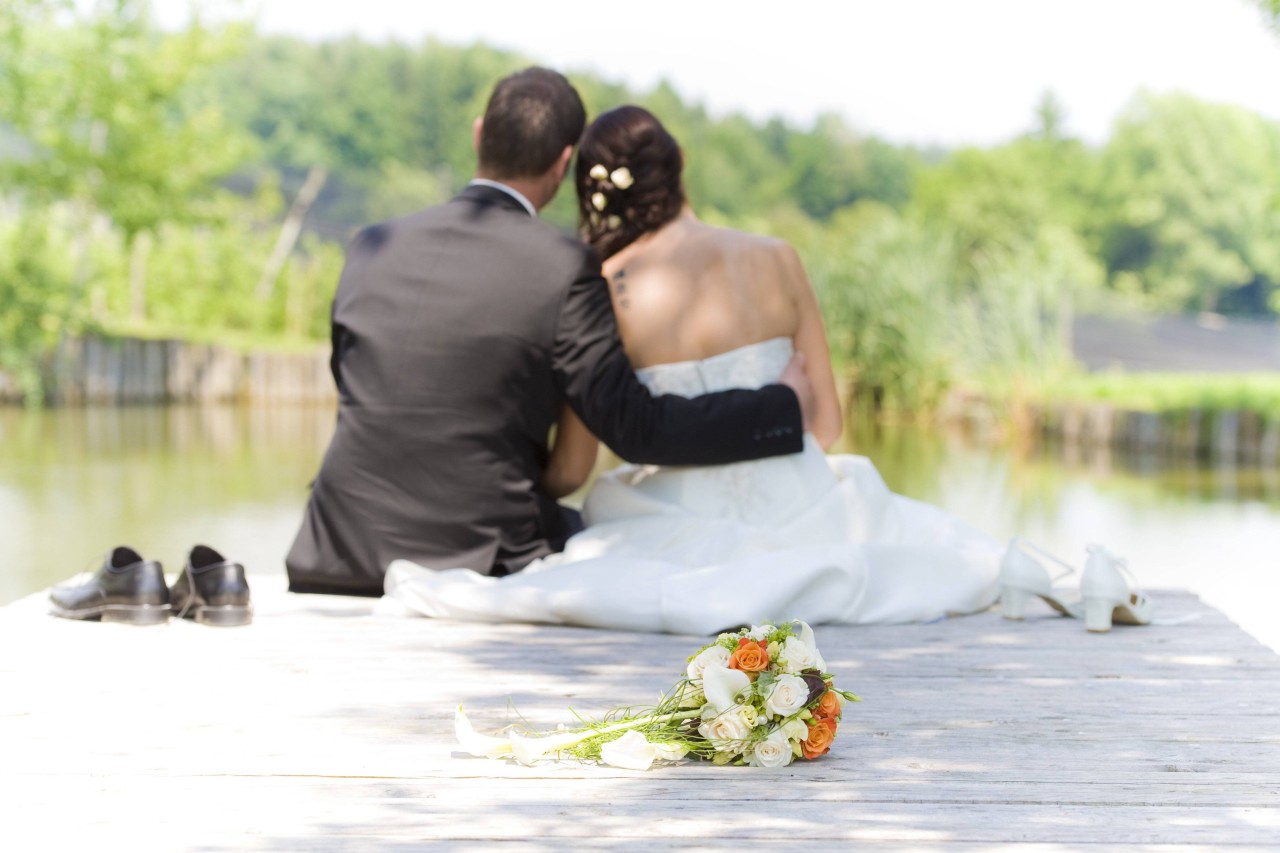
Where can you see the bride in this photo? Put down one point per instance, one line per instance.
(700, 549)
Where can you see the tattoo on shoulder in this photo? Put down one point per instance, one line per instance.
(620, 288)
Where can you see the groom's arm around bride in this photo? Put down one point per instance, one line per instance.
(459, 332)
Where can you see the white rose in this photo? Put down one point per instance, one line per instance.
(773, 751)
(725, 731)
(621, 177)
(599, 172)
(795, 730)
(787, 696)
(691, 697)
(759, 632)
(718, 655)
(797, 656)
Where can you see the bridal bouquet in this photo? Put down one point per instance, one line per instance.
(760, 696)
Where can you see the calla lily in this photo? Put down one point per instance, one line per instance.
(530, 749)
(632, 751)
(806, 635)
(722, 685)
(670, 751)
(471, 741)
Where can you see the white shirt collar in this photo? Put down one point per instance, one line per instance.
(516, 194)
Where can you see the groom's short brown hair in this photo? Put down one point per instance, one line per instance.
(532, 115)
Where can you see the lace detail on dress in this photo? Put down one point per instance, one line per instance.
(745, 491)
(752, 366)
(744, 487)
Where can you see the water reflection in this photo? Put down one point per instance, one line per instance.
(74, 482)
(1205, 526)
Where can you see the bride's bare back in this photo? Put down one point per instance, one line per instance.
(689, 291)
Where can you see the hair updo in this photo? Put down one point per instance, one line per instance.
(627, 177)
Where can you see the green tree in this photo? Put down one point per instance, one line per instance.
(369, 114)
(1001, 197)
(121, 123)
(886, 286)
(1188, 205)
(33, 271)
(831, 167)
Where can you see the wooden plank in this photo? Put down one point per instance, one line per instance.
(327, 725)
(115, 807)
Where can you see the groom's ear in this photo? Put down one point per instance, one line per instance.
(477, 128)
(562, 164)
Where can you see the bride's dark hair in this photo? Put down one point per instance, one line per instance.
(627, 177)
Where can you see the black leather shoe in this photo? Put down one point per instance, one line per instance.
(212, 590)
(126, 588)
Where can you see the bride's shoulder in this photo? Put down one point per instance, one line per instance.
(733, 240)
(763, 250)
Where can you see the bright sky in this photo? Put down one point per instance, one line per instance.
(918, 71)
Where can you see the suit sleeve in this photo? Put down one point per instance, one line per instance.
(364, 244)
(598, 381)
(337, 341)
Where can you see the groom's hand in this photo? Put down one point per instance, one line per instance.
(797, 380)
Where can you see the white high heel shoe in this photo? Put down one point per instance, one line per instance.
(1106, 594)
(1022, 576)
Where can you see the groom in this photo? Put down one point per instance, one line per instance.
(459, 332)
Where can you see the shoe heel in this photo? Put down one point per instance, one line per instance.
(140, 614)
(1013, 603)
(1097, 614)
(224, 617)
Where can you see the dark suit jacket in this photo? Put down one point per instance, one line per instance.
(458, 334)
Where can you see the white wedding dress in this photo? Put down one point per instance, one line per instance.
(694, 550)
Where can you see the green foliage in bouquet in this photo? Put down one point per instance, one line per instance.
(760, 696)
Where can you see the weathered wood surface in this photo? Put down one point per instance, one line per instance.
(327, 725)
(111, 371)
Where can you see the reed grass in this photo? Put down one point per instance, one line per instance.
(1168, 393)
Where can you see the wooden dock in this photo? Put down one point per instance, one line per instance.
(327, 725)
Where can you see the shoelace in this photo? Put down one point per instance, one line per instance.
(1141, 597)
(1123, 565)
(182, 614)
(91, 568)
(85, 574)
(1070, 569)
(189, 573)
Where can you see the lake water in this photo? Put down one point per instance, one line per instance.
(75, 482)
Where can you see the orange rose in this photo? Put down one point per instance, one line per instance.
(828, 706)
(750, 656)
(822, 732)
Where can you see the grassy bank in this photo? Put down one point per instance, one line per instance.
(1166, 393)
